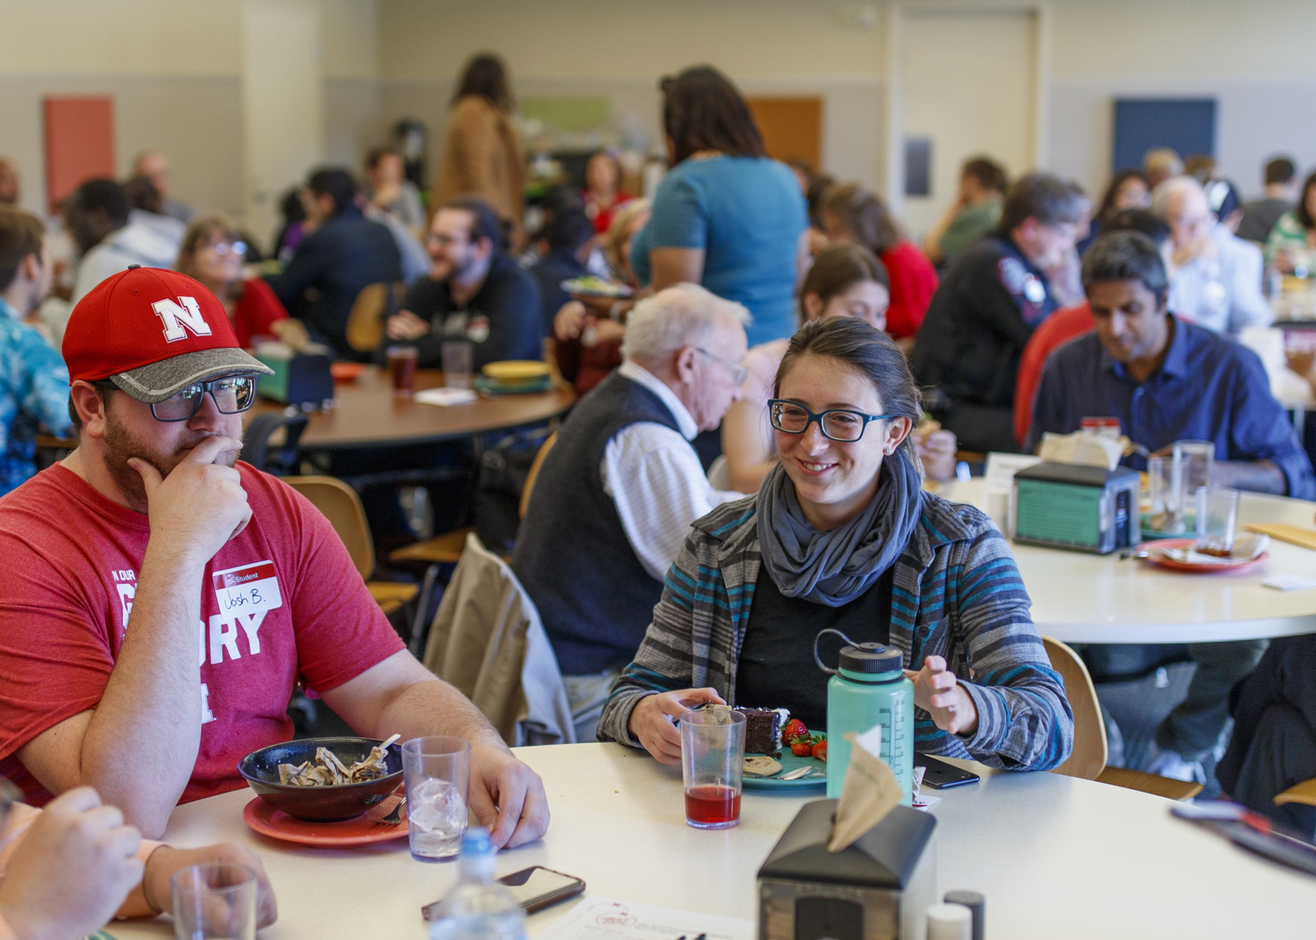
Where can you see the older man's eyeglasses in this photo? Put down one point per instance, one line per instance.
(232, 394)
(739, 373)
(837, 424)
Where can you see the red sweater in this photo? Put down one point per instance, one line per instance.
(1055, 331)
(913, 282)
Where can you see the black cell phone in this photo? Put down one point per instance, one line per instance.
(941, 775)
(534, 888)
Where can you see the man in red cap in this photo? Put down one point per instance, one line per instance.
(217, 564)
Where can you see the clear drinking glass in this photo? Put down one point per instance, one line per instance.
(1217, 517)
(1166, 515)
(215, 900)
(1194, 459)
(436, 771)
(712, 764)
(458, 357)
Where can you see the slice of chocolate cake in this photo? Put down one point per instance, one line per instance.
(763, 729)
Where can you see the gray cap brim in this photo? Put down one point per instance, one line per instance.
(165, 379)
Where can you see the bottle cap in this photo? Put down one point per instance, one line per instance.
(871, 658)
(977, 905)
(949, 922)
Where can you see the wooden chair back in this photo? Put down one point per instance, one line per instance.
(1089, 757)
(365, 321)
(533, 473)
(342, 507)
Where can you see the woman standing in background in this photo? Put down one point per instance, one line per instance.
(726, 217)
(481, 155)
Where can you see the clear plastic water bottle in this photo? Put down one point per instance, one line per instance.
(478, 908)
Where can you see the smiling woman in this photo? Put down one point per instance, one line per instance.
(842, 536)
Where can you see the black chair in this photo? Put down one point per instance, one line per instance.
(279, 459)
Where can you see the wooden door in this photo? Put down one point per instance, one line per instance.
(79, 144)
(791, 127)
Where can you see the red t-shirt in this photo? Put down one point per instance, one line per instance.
(1055, 331)
(256, 309)
(913, 282)
(601, 217)
(71, 559)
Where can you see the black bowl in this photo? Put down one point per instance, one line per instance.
(320, 804)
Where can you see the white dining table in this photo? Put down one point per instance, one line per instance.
(1054, 856)
(1080, 597)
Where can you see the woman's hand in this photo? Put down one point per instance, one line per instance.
(937, 451)
(653, 720)
(938, 692)
(605, 331)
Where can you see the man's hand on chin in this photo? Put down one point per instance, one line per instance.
(201, 504)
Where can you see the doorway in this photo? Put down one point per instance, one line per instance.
(963, 83)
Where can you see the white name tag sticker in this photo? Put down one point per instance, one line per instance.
(247, 589)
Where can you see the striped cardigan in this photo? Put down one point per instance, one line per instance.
(957, 594)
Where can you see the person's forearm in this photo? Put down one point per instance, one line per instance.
(141, 743)
(1257, 476)
(424, 707)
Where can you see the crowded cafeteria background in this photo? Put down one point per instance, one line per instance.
(538, 399)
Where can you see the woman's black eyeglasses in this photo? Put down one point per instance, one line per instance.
(837, 424)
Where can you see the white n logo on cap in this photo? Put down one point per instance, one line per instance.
(178, 320)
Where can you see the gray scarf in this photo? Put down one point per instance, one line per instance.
(835, 567)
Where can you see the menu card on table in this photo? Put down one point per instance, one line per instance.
(605, 919)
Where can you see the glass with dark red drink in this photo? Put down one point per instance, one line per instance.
(402, 369)
(712, 762)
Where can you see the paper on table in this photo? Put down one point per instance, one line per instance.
(604, 919)
(869, 792)
(446, 396)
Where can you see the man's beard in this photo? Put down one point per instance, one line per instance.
(120, 444)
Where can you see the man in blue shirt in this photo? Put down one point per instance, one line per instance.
(34, 383)
(1168, 380)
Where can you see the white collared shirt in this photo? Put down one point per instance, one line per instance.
(664, 488)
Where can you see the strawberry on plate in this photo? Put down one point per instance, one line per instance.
(794, 729)
(802, 746)
(820, 749)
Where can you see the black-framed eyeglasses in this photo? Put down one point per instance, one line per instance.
(837, 424)
(739, 373)
(232, 394)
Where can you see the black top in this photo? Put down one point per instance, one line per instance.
(503, 320)
(978, 322)
(550, 272)
(330, 267)
(776, 667)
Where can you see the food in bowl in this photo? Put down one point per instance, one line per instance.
(594, 286)
(329, 770)
(326, 802)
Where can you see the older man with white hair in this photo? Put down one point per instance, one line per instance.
(1215, 276)
(617, 494)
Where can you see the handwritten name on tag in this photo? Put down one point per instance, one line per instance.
(247, 589)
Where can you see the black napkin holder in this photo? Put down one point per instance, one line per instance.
(879, 888)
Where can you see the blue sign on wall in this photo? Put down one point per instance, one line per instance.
(1185, 124)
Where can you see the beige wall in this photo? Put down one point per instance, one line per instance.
(174, 68)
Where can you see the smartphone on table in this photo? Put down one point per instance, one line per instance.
(941, 776)
(534, 888)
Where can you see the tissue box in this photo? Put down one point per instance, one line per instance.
(302, 379)
(880, 888)
(1087, 509)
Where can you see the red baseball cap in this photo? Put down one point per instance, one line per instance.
(153, 332)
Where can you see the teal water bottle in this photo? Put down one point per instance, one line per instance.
(869, 689)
